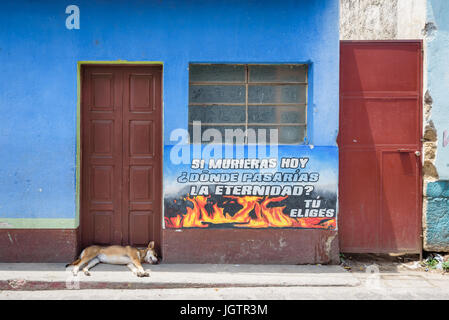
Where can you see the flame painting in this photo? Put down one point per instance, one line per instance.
(251, 212)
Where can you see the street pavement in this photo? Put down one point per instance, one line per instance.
(218, 282)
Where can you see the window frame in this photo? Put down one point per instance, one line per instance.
(247, 83)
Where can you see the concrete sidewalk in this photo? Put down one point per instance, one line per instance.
(54, 276)
(44, 276)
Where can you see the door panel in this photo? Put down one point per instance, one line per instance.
(142, 158)
(380, 130)
(103, 227)
(399, 198)
(141, 223)
(382, 66)
(379, 121)
(121, 155)
(359, 203)
(101, 156)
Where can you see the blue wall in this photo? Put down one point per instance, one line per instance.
(437, 216)
(437, 193)
(438, 79)
(38, 74)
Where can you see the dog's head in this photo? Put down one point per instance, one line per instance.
(151, 254)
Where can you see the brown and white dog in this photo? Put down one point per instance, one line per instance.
(128, 255)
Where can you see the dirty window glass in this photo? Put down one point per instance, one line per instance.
(217, 72)
(216, 94)
(278, 73)
(278, 94)
(239, 96)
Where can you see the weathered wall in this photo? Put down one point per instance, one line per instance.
(381, 20)
(368, 19)
(436, 216)
(436, 165)
(427, 20)
(38, 79)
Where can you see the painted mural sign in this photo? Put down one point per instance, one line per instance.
(295, 189)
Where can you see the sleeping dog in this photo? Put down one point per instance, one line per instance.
(128, 255)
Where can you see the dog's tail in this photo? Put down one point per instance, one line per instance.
(73, 263)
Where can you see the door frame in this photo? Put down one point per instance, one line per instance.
(79, 141)
(420, 178)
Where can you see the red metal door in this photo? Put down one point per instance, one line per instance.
(121, 155)
(379, 142)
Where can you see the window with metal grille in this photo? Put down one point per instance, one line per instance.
(250, 96)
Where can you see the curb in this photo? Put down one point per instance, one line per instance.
(36, 285)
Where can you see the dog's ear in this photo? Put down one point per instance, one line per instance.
(151, 245)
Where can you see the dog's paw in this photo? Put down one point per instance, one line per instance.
(87, 273)
(143, 274)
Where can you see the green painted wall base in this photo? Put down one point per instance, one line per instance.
(9, 223)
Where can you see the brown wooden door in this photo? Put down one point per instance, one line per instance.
(380, 190)
(121, 155)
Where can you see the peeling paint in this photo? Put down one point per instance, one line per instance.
(428, 98)
(435, 144)
(430, 133)
(17, 283)
(430, 171)
(328, 244)
(430, 151)
(10, 239)
(429, 30)
(282, 242)
(430, 142)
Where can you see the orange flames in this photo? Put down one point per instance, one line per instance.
(199, 217)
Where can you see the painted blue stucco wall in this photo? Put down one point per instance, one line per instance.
(438, 79)
(437, 216)
(436, 224)
(38, 74)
